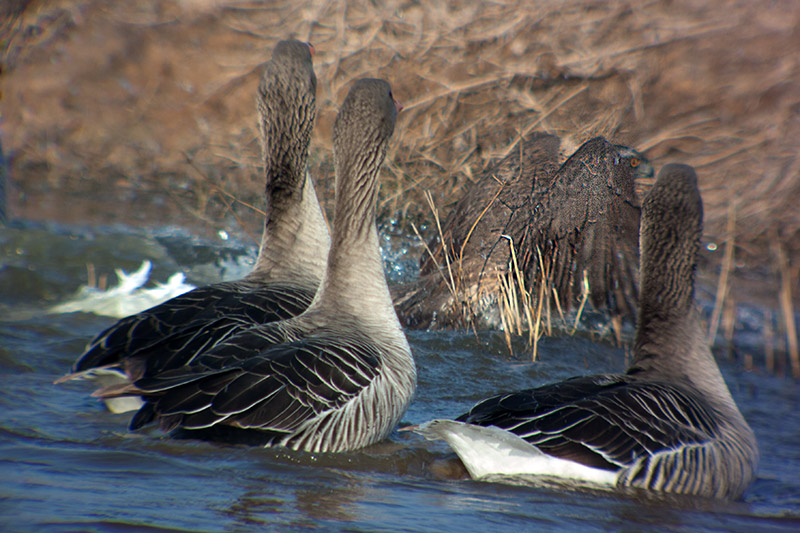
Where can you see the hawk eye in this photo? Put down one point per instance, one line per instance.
(635, 162)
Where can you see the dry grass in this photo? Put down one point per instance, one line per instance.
(119, 94)
(525, 309)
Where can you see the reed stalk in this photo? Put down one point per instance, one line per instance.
(787, 309)
(725, 271)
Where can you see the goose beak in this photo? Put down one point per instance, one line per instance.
(311, 49)
(398, 105)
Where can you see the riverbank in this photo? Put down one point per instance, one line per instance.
(143, 114)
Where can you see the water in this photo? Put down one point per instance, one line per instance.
(68, 465)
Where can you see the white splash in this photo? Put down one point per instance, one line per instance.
(128, 297)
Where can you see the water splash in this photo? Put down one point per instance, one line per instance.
(128, 297)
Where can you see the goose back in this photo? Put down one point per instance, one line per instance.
(340, 375)
(669, 423)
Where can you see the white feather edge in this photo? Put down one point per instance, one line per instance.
(489, 452)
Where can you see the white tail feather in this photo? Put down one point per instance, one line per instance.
(491, 451)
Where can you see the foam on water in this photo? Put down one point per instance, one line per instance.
(127, 297)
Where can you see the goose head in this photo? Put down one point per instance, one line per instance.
(670, 231)
(286, 108)
(361, 134)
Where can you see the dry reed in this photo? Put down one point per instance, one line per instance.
(727, 267)
(715, 85)
(787, 309)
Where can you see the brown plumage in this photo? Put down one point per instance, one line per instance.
(582, 216)
(338, 376)
(667, 424)
(504, 200)
(291, 259)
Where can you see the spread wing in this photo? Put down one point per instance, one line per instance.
(499, 202)
(583, 216)
(173, 333)
(606, 421)
(590, 223)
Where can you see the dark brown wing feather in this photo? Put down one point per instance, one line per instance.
(500, 202)
(590, 223)
(275, 391)
(494, 212)
(605, 421)
(173, 333)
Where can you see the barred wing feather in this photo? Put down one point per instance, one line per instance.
(279, 389)
(172, 334)
(600, 421)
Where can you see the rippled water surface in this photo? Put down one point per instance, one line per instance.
(68, 465)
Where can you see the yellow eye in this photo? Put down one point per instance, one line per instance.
(635, 162)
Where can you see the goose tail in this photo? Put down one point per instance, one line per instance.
(488, 451)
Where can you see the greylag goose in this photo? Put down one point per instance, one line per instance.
(337, 377)
(291, 259)
(667, 424)
(582, 216)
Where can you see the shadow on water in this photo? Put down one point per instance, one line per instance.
(66, 464)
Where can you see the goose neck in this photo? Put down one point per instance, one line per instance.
(295, 241)
(355, 281)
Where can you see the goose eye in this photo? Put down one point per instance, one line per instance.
(635, 162)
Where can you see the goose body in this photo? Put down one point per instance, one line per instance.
(667, 424)
(582, 215)
(335, 378)
(291, 259)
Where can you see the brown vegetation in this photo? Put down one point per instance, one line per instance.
(119, 99)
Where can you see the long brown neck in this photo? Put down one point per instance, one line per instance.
(356, 195)
(354, 287)
(296, 240)
(668, 336)
(286, 125)
(355, 265)
(670, 342)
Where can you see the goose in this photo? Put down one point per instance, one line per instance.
(583, 215)
(667, 424)
(335, 378)
(291, 258)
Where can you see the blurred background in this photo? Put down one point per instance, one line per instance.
(143, 113)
